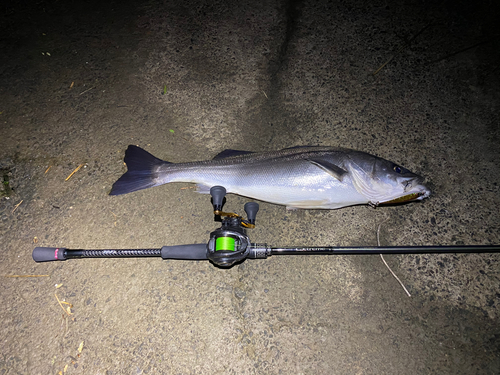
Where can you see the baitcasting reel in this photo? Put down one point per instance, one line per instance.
(230, 243)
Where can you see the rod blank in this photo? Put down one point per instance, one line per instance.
(384, 250)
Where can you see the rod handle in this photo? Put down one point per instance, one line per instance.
(187, 252)
(48, 254)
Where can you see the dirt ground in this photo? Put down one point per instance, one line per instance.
(80, 81)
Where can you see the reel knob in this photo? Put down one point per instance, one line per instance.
(218, 193)
(251, 209)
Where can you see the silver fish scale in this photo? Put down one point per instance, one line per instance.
(284, 177)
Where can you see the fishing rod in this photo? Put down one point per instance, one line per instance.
(230, 244)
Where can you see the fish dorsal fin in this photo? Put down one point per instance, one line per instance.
(293, 147)
(229, 153)
(331, 169)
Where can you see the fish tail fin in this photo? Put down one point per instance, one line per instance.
(142, 171)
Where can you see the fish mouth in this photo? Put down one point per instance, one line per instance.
(413, 190)
(406, 198)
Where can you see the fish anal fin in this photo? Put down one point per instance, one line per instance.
(306, 204)
(330, 168)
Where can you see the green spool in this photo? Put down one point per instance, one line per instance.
(225, 243)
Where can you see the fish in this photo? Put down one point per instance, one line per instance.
(301, 177)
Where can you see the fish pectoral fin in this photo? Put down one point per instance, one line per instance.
(331, 169)
(202, 189)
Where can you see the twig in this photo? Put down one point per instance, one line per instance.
(83, 92)
(383, 260)
(61, 304)
(116, 217)
(459, 51)
(401, 48)
(17, 205)
(72, 173)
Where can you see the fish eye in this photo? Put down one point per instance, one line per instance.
(397, 169)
